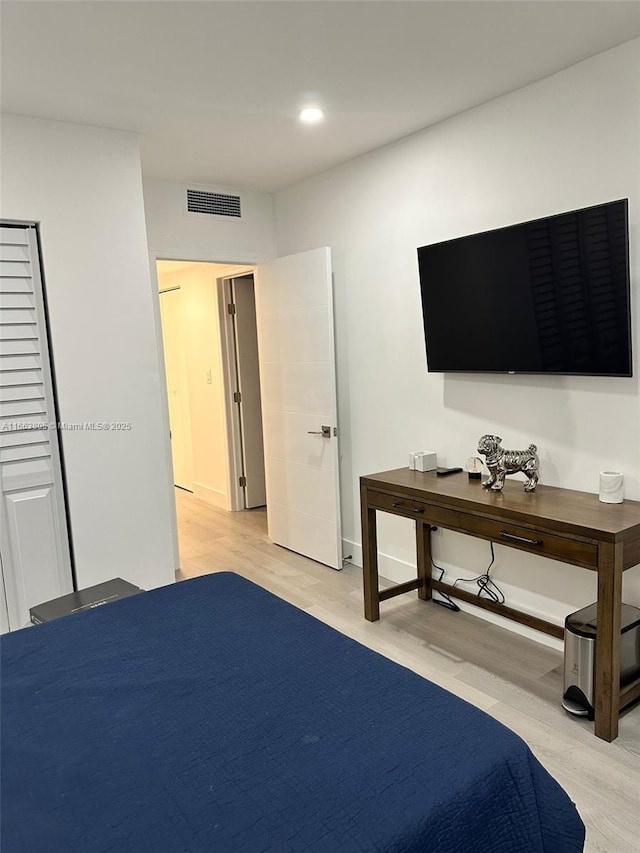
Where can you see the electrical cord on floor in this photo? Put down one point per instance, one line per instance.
(486, 584)
(448, 602)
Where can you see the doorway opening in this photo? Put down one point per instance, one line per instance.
(296, 374)
(209, 334)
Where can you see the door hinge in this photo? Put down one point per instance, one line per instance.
(231, 308)
(237, 397)
(242, 481)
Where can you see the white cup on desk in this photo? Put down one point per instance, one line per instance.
(611, 487)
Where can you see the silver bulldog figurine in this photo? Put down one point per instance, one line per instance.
(501, 462)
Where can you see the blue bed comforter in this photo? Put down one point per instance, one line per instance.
(212, 716)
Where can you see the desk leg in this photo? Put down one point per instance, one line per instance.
(423, 550)
(369, 558)
(607, 675)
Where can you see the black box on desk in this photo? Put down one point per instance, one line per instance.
(83, 599)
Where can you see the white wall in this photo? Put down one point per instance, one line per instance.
(201, 337)
(568, 141)
(84, 186)
(173, 233)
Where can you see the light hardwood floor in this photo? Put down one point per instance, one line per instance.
(516, 680)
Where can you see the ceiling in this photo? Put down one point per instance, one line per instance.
(168, 267)
(213, 88)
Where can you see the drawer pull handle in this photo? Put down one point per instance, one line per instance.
(506, 535)
(416, 509)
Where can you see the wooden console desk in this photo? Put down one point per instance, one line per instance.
(570, 526)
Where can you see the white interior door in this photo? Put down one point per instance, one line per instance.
(249, 387)
(173, 339)
(294, 304)
(34, 537)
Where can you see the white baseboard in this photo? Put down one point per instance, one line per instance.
(398, 571)
(211, 496)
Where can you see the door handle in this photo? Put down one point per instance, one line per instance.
(324, 431)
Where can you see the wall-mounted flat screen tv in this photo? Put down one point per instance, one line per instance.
(547, 296)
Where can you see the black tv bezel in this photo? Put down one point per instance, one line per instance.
(625, 202)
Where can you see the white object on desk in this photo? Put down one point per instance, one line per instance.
(611, 487)
(426, 460)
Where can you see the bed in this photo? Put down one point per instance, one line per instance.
(213, 716)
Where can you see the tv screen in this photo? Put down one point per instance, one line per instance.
(547, 296)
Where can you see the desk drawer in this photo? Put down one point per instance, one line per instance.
(537, 542)
(575, 551)
(402, 506)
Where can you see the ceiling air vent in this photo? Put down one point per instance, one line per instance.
(214, 204)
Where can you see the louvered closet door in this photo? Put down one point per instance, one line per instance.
(34, 543)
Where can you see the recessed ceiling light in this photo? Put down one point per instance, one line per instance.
(311, 115)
